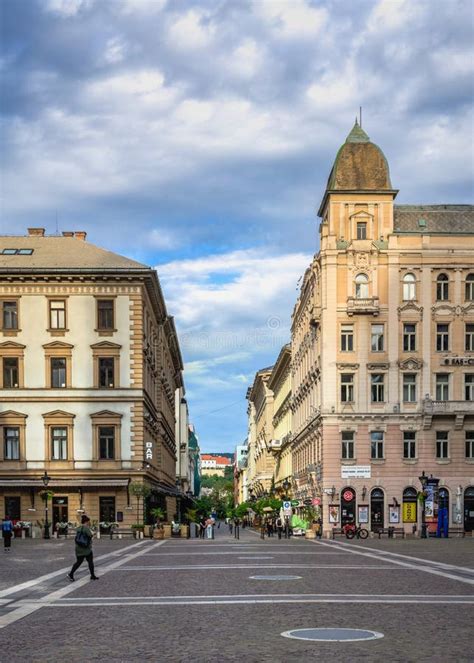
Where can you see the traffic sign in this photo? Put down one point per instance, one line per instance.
(295, 502)
(286, 504)
(316, 501)
(348, 495)
(308, 501)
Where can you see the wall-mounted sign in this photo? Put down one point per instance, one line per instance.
(409, 512)
(316, 501)
(348, 495)
(355, 472)
(295, 503)
(458, 361)
(363, 514)
(394, 515)
(333, 513)
(308, 501)
(148, 450)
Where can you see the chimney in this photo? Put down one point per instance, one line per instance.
(35, 232)
(67, 233)
(80, 234)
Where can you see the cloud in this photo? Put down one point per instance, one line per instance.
(67, 8)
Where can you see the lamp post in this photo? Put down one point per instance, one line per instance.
(423, 480)
(45, 479)
(178, 500)
(286, 487)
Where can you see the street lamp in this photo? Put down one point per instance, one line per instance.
(45, 479)
(286, 486)
(178, 500)
(423, 480)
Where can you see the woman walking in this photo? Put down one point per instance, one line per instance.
(7, 532)
(83, 542)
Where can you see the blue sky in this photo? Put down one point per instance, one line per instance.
(197, 137)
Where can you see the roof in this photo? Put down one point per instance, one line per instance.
(220, 460)
(61, 253)
(434, 219)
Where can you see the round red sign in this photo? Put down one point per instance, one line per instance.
(348, 495)
(316, 501)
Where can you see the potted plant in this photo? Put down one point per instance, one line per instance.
(137, 528)
(158, 515)
(140, 491)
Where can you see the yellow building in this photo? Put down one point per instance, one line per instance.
(280, 446)
(261, 462)
(89, 368)
(383, 352)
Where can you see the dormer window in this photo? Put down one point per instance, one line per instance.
(361, 230)
(361, 286)
(409, 287)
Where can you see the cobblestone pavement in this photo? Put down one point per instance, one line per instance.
(198, 600)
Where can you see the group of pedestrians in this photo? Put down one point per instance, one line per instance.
(206, 527)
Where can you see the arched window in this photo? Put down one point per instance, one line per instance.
(469, 288)
(442, 288)
(361, 286)
(409, 287)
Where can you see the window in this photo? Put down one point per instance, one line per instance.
(376, 342)
(469, 387)
(442, 288)
(376, 445)
(469, 291)
(409, 287)
(409, 387)
(106, 442)
(469, 339)
(11, 440)
(57, 314)
(409, 337)
(347, 338)
(10, 372)
(347, 452)
(347, 387)
(107, 509)
(377, 381)
(409, 445)
(470, 444)
(106, 372)
(105, 314)
(442, 338)
(361, 230)
(58, 372)
(442, 386)
(361, 286)
(10, 315)
(442, 444)
(58, 443)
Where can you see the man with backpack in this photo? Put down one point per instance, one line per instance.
(7, 532)
(83, 543)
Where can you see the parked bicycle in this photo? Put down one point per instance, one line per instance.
(351, 530)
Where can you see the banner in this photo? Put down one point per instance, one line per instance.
(409, 512)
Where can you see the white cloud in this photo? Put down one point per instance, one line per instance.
(292, 18)
(67, 8)
(190, 31)
(142, 7)
(115, 49)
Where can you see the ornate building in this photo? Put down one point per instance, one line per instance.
(260, 463)
(383, 352)
(90, 363)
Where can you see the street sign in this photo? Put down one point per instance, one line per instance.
(286, 504)
(295, 502)
(286, 508)
(316, 501)
(348, 495)
(308, 501)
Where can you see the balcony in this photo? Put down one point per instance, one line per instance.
(368, 305)
(457, 409)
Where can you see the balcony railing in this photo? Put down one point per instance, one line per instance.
(448, 407)
(367, 305)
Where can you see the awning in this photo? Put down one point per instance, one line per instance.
(64, 483)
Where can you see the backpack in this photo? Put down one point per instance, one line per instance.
(7, 526)
(82, 539)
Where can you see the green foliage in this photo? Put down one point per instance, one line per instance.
(191, 515)
(242, 509)
(203, 506)
(272, 502)
(46, 494)
(138, 489)
(158, 513)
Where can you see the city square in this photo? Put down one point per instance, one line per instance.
(200, 600)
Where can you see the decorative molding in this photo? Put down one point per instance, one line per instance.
(411, 363)
(346, 366)
(410, 306)
(378, 366)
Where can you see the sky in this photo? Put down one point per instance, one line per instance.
(197, 137)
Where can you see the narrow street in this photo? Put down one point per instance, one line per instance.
(229, 600)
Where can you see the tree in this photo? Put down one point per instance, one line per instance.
(140, 491)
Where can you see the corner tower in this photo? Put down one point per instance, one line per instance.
(358, 200)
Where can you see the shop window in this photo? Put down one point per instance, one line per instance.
(107, 509)
(13, 507)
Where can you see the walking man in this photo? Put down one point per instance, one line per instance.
(83, 542)
(7, 532)
(279, 526)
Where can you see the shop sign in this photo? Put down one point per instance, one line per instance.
(148, 450)
(333, 513)
(394, 515)
(295, 503)
(355, 472)
(458, 361)
(348, 495)
(409, 512)
(308, 501)
(363, 514)
(316, 501)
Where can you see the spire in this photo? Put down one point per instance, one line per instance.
(357, 134)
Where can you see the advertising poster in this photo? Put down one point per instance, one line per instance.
(333, 513)
(394, 514)
(409, 512)
(363, 514)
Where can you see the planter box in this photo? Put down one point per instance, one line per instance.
(158, 534)
(310, 534)
(184, 531)
(167, 531)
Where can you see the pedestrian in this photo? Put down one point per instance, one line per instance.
(319, 528)
(279, 526)
(7, 533)
(83, 543)
(202, 527)
(231, 527)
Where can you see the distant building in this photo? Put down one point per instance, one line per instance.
(211, 464)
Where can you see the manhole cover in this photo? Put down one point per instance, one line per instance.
(275, 577)
(332, 634)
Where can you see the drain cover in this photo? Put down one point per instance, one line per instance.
(332, 634)
(275, 577)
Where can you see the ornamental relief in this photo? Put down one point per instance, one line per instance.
(412, 364)
(410, 307)
(378, 366)
(445, 309)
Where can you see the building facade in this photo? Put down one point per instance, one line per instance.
(90, 363)
(280, 446)
(383, 353)
(261, 461)
(211, 464)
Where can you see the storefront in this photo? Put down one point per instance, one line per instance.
(377, 509)
(348, 506)
(469, 509)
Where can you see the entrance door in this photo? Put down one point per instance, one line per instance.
(469, 509)
(13, 507)
(376, 509)
(107, 509)
(348, 506)
(60, 511)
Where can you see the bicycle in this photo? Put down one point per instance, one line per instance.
(352, 531)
